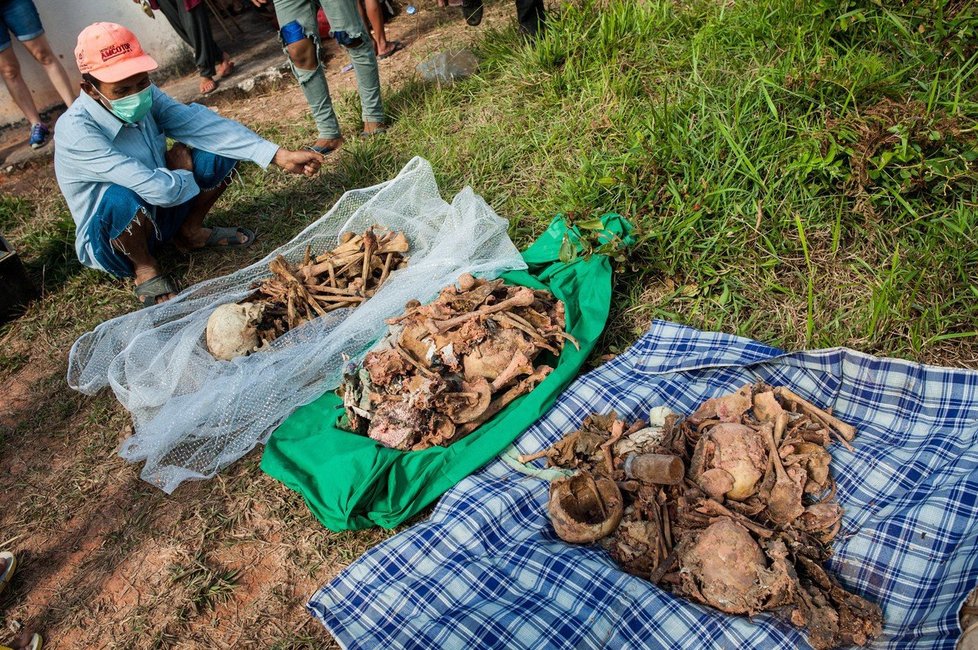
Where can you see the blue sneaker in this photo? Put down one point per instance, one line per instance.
(39, 136)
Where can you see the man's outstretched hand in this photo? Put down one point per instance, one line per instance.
(298, 162)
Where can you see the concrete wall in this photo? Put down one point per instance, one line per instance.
(63, 20)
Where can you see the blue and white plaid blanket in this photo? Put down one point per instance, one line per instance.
(487, 571)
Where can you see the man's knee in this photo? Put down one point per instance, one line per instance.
(123, 214)
(212, 171)
(117, 195)
(303, 54)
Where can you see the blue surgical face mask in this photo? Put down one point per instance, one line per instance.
(131, 108)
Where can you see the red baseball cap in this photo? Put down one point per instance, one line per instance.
(110, 52)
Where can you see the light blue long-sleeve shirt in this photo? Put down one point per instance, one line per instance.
(94, 149)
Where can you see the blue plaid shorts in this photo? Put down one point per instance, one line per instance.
(120, 205)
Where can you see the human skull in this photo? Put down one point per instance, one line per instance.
(232, 329)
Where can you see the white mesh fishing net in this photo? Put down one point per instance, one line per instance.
(193, 415)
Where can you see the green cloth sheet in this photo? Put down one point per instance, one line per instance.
(351, 482)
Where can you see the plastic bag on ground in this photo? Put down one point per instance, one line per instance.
(193, 415)
(448, 66)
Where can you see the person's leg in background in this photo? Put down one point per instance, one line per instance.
(194, 30)
(531, 17)
(373, 14)
(21, 18)
(19, 92)
(350, 32)
(529, 13)
(174, 12)
(40, 49)
(303, 53)
(211, 59)
(25, 640)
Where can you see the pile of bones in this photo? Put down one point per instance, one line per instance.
(732, 507)
(290, 296)
(446, 367)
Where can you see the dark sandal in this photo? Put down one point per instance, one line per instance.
(472, 12)
(149, 291)
(396, 46)
(324, 151)
(380, 130)
(230, 236)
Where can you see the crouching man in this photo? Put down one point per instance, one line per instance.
(127, 193)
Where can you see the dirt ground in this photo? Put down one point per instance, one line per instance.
(108, 561)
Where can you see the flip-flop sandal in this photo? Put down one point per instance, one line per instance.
(396, 46)
(380, 130)
(230, 236)
(8, 570)
(324, 151)
(149, 291)
(472, 12)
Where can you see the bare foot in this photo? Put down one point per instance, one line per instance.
(225, 67)
(370, 127)
(207, 85)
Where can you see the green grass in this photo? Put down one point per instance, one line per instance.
(801, 173)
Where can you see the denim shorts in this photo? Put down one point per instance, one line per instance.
(21, 18)
(120, 205)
